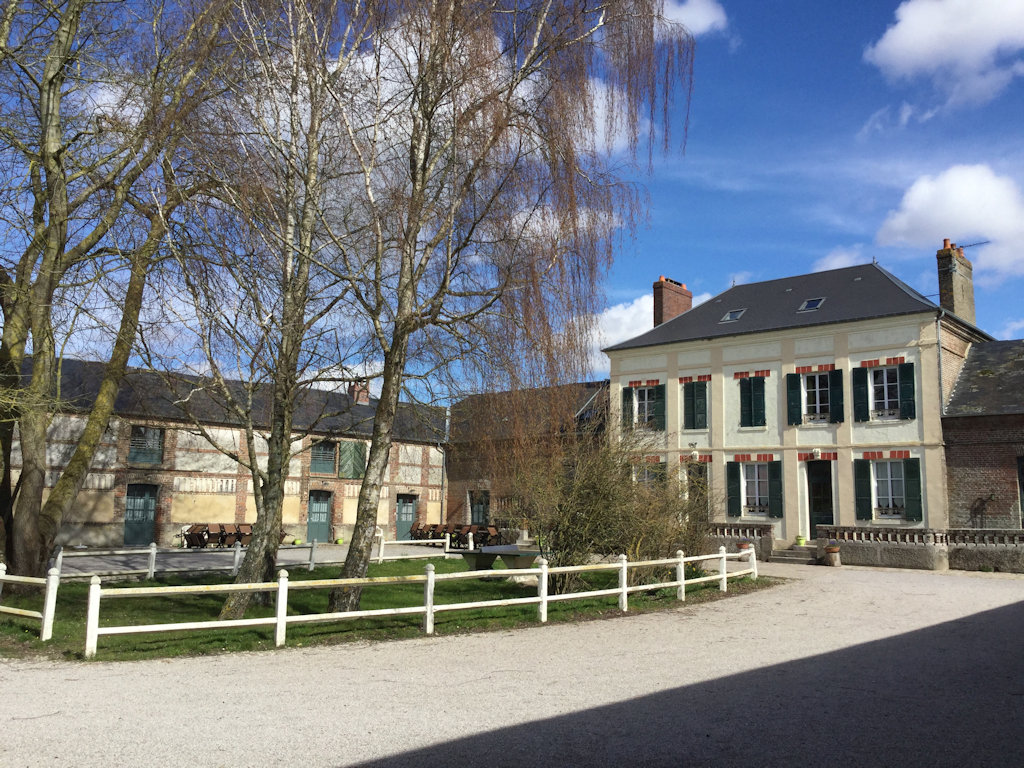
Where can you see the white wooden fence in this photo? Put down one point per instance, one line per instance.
(49, 585)
(445, 544)
(429, 579)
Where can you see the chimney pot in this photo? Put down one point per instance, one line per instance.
(945, 243)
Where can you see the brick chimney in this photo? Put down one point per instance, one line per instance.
(670, 299)
(359, 392)
(956, 281)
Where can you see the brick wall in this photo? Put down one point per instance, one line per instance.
(981, 470)
(954, 352)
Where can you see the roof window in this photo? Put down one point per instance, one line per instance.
(733, 315)
(811, 304)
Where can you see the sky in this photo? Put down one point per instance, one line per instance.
(826, 134)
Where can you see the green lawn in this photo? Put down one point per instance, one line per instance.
(20, 637)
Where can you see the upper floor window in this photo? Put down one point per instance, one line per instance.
(884, 392)
(752, 412)
(814, 397)
(695, 405)
(888, 489)
(321, 458)
(811, 304)
(146, 445)
(732, 315)
(644, 407)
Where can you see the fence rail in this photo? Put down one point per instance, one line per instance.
(429, 579)
(445, 544)
(50, 585)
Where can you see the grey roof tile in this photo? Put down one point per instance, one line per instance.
(991, 383)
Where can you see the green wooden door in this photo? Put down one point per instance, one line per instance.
(819, 494)
(480, 507)
(140, 515)
(318, 518)
(405, 516)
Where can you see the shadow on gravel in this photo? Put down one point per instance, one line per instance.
(948, 695)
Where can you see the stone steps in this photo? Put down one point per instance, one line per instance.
(806, 554)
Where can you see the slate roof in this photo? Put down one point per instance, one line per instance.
(851, 293)
(991, 383)
(145, 394)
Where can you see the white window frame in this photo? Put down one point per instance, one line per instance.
(649, 474)
(648, 407)
(888, 504)
(889, 406)
(756, 473)
(813, 412)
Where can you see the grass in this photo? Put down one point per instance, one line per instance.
(20, 637)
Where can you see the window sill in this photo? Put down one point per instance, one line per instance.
(816, 424)
(695, 430)
(763, 428)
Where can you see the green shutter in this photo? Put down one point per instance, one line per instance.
(835, 396)
(700, 405)
(689, 408)
(862, 487)
(627, 408)
(352, 460)
(746, 404)
(732, 489)
(757, 401)
(913, 508)
(775, 489)
(860, 394)
(794, 404)
(907, 406)
(658, 417)
(663, 473)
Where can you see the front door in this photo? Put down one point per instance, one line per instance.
(405, 516)
(140, 515)
(318, 519)
(819, 494)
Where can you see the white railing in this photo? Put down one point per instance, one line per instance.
(236, 552)
(445, 544)
(429, 579)
(50, 585)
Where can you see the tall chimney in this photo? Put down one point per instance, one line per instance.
(956, 281)
(359, 392)
(670, 299)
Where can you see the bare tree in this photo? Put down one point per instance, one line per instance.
(96, 99)
(488, 207)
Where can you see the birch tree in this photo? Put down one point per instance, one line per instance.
(96, 101)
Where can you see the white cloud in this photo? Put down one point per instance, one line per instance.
(963, 203)
(969, 49)
(738, 278)
(1012, 330)
(841, 257)
(698, 16)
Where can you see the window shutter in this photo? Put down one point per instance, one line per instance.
(700, 405)
(627, 408)
(835, 396)
(659, 408)
(775, 489)
(732, 489)
(860, 394)
(352, 460)
(913, 509)
(663, 473)
(746, 404)
(360, 451)
(757, 400)
(793, 400)
(862, 487)
(907, 406)
(689, 408)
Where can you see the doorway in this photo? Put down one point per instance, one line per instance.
(140, 515)
(405, 515)
(819, 495)
(318, 518)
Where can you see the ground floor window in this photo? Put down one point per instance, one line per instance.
(480, 507)
(650, 473)
(888, 489)
(754, 488)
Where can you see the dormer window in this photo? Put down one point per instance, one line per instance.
(733, 315)
(811, 304)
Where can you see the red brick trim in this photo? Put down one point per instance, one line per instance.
(704, 377)
(765, 373)
(766, 457)
(872, 455)
(825, 367)
(704, 458)
(869, 363)
(895, 360)
(804, 368)
(825, 456)
(636, 383)
(741, 457)
(741, 375)
(685, 379)
(899, 454)
(653, 382)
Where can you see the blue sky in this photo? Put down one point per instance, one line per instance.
(824, 134)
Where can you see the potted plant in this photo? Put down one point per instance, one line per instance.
(801, 540)
(832, 553)
(744, 544)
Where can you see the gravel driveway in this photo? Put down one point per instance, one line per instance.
(850, 666)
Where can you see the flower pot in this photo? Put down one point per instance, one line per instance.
(801, 540)
(832, 550)
(744, 545)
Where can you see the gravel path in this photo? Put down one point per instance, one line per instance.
(848, 666)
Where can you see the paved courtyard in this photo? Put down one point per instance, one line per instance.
(837, 667)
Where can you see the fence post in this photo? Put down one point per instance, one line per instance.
(152, 561)
(681, 575)
(238, 558)
(542, 590)
(470, 542)
(3, 572)
(59, 564)
(49, 603)
(623, 584)
(752, 558)
(312, 555)
(721, 570)
(447, 544)
(281, 627)
(92, 617)
(428, 601)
